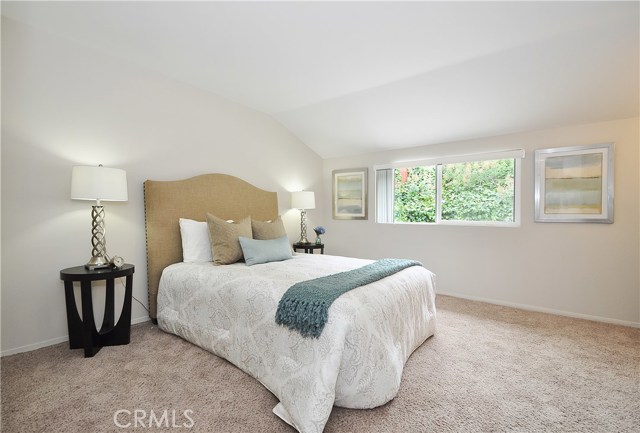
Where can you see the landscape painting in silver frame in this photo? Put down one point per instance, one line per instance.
(350, 194)
(574, 184)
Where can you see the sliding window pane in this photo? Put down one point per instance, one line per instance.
(478, 191)
(415, 195)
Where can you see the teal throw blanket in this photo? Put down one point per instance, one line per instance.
(305, 305)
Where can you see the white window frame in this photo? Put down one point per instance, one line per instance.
(516, 154)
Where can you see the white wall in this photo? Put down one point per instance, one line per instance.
(584, 270)
(65, 105)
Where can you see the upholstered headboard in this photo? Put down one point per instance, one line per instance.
(166, 201)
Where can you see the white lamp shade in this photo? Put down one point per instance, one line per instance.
(303, 200)
(98, 183)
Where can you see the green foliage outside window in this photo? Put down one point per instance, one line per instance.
(415, 195)
(471, 191)
(478, 191)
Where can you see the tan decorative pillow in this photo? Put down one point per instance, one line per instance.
(267, 230)
(225, 245)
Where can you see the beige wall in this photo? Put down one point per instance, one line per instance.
(65, 105)
(584, 270)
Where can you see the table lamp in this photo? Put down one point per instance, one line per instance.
(303, 200)
(99, 184)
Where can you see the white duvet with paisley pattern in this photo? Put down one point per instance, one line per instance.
(357, 362)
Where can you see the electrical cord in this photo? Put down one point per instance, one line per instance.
(120, 279)
(136, 299)
(141, 304)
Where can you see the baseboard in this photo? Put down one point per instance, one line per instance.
(51, 342)
(542, 309)
(34, 346)
(57, 340)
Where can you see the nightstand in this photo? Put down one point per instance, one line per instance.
(308, 248)
(83, 332)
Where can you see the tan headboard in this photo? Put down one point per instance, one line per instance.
(166, 201)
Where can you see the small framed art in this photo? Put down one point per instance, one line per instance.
(574, 184)
(350, 194)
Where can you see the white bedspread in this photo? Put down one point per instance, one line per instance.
(357, 362)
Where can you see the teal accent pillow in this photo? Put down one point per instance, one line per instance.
(264, 251)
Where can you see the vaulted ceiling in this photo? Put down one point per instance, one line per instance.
(356, 77)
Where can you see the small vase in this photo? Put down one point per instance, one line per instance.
(318, 240)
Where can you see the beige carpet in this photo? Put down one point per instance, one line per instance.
(487, 369)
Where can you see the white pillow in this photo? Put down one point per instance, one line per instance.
(196, 245)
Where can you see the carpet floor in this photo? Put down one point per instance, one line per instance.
(487, 369)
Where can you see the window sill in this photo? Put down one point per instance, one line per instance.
(460, 224)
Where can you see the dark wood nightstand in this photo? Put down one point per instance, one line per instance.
(308, 248)
(83, 332)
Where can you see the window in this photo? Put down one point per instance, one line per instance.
(473, 190)
(415, 194)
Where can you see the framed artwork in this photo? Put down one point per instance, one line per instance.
(574, 184)
(350, 194)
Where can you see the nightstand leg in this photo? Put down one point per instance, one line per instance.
(124, 323)
(74, 323)
(89, 332)
(109, 314)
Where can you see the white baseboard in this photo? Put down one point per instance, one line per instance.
(34, 346)
(543, 310)
(51, 342)
(57, 340)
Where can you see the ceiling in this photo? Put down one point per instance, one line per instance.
(357, 77)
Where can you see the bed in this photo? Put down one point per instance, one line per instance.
(358, 359)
